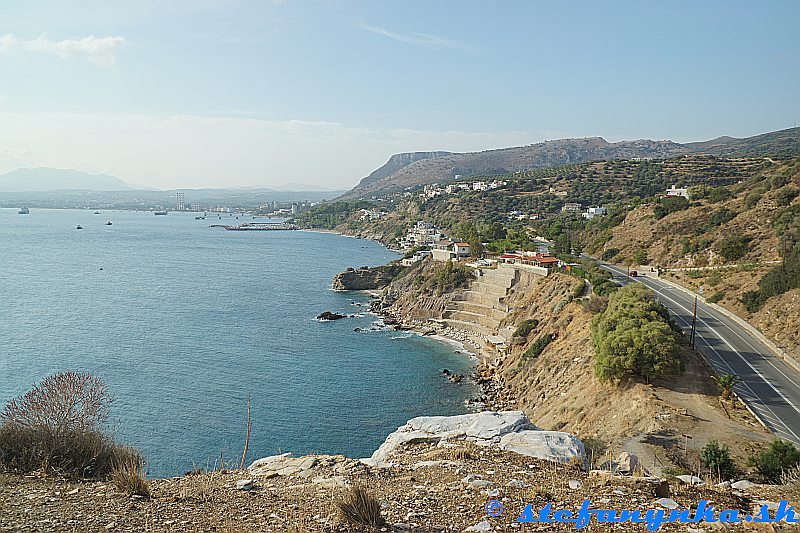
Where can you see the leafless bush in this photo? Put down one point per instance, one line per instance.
(358, 507)
(57, 426)
(67, 401)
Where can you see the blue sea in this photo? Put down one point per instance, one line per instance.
(183, 322)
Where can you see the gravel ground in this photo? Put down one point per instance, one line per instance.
(429, 489)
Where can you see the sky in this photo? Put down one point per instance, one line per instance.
(227, 93)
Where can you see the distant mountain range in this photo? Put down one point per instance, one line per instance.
(53, 179)
(421, 168)
(44, 179)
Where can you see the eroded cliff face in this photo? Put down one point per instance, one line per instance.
(364, 279)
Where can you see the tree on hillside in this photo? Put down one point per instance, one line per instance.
(725, 383)
(633, 337)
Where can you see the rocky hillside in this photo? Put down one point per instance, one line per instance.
(725, 240)
(408, 170)
(556, 385)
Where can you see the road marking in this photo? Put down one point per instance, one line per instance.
(760, 353)
(714, 334)
(759, 374)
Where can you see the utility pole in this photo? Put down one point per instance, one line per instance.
(694, 322)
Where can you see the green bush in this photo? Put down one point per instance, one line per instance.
(595, 448)
(716, 297)
(670, 204)
(785, 195)
(777, 281)
(720, 217)
(779, 456)
(577, 291)
(524, 329)
(718, 194)
(538, 346)
(751, 200)
(633, 336)
(609, 254)
(450, 276)
(717, 459)
(734, 247)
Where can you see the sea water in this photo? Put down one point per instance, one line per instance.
(184, 322)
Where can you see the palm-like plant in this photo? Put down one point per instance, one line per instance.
(726, 382)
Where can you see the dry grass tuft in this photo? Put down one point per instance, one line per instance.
(459, 454)
(128, 476)
(358, 507)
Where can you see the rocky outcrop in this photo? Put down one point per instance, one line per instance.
(507, 430)
(364, 279)
(327, 316)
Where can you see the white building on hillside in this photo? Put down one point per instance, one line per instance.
(675, 191)
(592, 212)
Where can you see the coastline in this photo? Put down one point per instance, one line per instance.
(464, 342)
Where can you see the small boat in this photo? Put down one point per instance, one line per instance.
(108, 223)
(164, 212)
(97, 212)
(79, 227)
(24, 211)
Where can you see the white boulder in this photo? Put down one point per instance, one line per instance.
(282, 465)
(509, 430)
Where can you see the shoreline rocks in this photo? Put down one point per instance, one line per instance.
(327, 316)
(366, 278)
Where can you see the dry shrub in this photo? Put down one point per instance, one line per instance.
(791, 477)
(128, 476)
(57, 427)
(459, 454)
(358, 507)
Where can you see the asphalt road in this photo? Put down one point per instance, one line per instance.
(770, 387)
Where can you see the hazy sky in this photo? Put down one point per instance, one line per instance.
(229, 93)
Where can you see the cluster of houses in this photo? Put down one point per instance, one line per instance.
(519, 215)
(588, 213)
(421, 234)
(434, 189)
(371, 214)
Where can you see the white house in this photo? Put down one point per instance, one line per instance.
(675, 191)
(592, 212)
(462, 249)
(451, 251)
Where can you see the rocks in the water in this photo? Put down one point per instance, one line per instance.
(508, 430)
(456, 378)
(329, 315)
